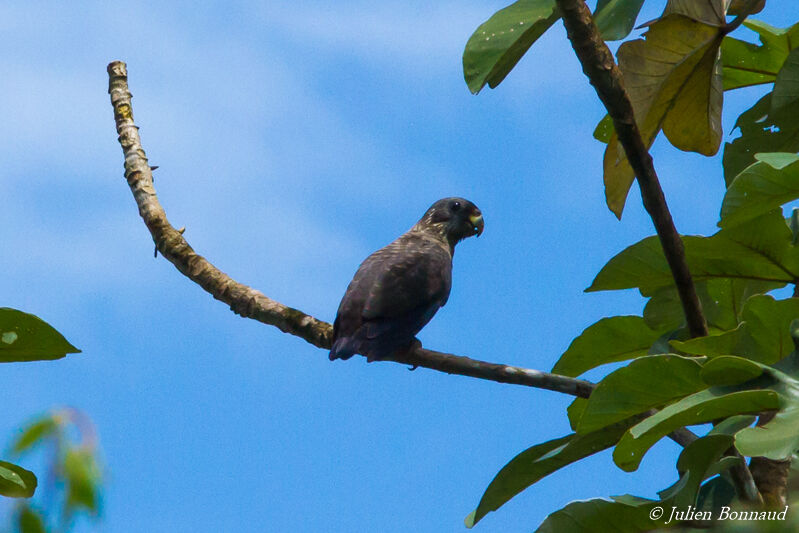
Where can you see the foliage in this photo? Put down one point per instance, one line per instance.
(75, 472)
(675, 74)
(25, 337)
(74, 479)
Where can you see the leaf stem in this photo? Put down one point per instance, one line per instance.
(737, 21)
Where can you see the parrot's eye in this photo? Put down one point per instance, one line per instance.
(456, 206)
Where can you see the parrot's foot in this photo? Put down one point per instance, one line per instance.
(408, 351)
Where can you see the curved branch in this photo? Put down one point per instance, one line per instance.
(250, 303)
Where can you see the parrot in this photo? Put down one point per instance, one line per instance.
(397, 290)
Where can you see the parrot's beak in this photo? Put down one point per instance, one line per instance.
(477, 223)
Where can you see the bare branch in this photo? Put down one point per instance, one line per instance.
(250, 303)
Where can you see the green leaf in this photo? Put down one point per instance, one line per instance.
(645, 383)
(694, 463)
(777, 160)
(25, 337)
(34, 433)
(499, 43)
(786, 86)
(611, 339)
(778, 38)
(575, 411)
(762, 187)
(82, 475)
(539, 461)
(722, 302)
(30, 521)
(779, 438)
(764, 336)
(729, 370)
(15, 481)
(732, 425)
(673, 78)
(699, 408)
(715, 494)
(604, 130)
(616, 18)
(746, 64)
(760, 250)
(590, 516)
(761, 131)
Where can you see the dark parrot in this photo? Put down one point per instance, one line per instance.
(398, 289)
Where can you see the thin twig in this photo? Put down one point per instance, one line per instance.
(604, 74)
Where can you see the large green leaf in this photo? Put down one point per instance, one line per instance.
(611, 339)
(499, 43)
(762, 187)
(702, 407)
(15, 481)
(646, 382)
(764, 336)
(779, 438)
(746, 64)
(539, 461)
(695, 464)
(729, 370)
(616, 18)
(589, 516)
(760, 250)
(761, 131)
(25, 337)
(673, 78)
(786, 86)
(722, 302)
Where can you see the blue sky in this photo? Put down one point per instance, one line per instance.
(294, 138)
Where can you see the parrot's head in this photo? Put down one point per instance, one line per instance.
(453, 218)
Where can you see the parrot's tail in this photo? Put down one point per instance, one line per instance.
(342, 349)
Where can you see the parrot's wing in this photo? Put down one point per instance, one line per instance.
(413, 282)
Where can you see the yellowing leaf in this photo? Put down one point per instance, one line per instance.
(673, 78)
